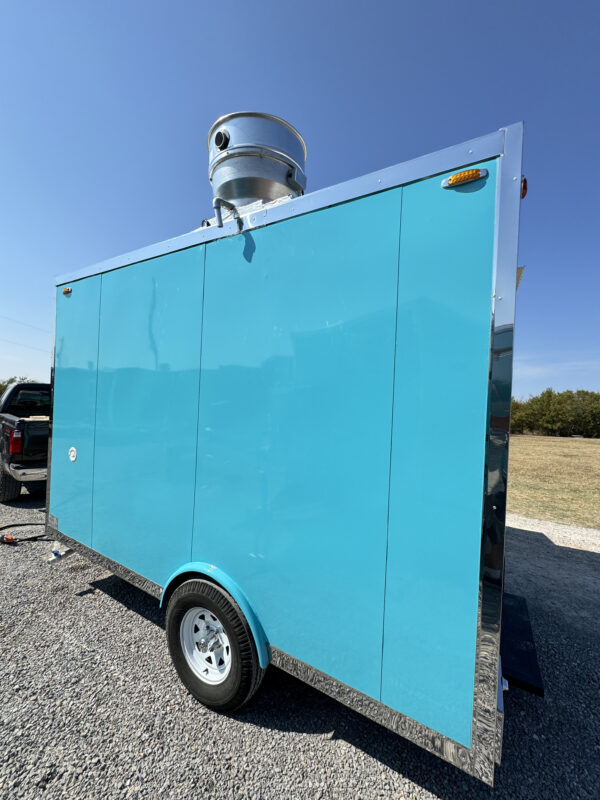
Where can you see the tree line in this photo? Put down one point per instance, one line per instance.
(558, 414)
(6, 382)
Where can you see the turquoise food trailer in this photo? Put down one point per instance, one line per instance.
(291, 425)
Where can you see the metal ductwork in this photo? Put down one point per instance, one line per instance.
(254, 157)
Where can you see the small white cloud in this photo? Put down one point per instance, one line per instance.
(533, 374)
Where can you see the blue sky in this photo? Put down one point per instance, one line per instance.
(104, 110)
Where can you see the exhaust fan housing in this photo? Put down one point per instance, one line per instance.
(254, 157)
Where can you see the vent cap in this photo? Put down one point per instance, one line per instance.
(254, 156)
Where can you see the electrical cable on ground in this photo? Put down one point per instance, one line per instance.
(8, 539)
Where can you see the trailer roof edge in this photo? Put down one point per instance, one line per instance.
(470, 152)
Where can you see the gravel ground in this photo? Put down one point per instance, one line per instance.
(91, 707)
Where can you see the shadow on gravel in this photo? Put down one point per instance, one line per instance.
(133, 598)
(285, 703)
(29, 501)
(550, 745)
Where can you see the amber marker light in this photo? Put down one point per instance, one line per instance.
(466, 176)
(67, 290)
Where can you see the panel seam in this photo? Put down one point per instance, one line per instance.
(204, 247)
(95, 414)
(387, 530)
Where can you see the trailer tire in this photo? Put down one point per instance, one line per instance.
(211, 646)
(10, 489)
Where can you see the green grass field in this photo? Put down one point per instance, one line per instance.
(555, 478)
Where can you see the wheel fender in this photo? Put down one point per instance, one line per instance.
(201, 568)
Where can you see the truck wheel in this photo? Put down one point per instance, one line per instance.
(211, 646)
(36, 487)
(10, 489)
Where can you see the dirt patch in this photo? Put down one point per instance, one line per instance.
(554, 478)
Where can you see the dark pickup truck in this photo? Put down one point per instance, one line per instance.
(24, 431)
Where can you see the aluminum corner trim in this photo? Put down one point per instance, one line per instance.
(430, 740)
(487, 720)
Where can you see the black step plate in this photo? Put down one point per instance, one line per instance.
(517, 648)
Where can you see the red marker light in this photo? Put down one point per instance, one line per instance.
(16, 443)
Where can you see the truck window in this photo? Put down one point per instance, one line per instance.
(30, 403)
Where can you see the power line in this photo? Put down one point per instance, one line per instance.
(29, 347)
(27, 324)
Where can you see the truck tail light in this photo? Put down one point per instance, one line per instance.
(16, 443)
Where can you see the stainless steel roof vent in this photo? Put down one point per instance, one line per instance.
(254, 157)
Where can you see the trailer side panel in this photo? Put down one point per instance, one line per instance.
(148, 377)
(438, 452)
(73, 424)
(295, 424)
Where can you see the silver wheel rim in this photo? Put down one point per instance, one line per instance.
(205, 645)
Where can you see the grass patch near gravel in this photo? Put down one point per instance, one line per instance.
(555, 478)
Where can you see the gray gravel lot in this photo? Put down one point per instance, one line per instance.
(91, 707)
